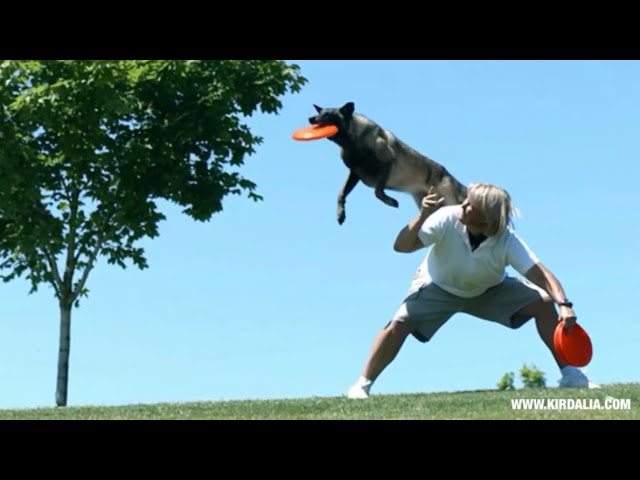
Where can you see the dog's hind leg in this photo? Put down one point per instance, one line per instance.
(349, 184)
(381, 184)
(453, 192)
(386, 157)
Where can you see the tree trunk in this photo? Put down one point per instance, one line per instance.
(63, 354)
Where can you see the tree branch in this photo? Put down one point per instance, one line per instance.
(57, 281)
(92, 259)
(71, 244)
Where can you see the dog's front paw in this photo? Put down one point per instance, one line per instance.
(341, 216)
(386, 199)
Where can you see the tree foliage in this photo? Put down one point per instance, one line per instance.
(532, 377)
(506, 382)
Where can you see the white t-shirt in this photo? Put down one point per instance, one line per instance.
(452, 265)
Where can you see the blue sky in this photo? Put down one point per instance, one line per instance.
(276, 300)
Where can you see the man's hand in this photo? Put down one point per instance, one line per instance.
(408, 239)
(430, 203)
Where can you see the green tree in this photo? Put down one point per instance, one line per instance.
(88, 147)
(506, 382)
(532, 377)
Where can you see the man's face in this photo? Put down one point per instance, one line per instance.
(472, 216)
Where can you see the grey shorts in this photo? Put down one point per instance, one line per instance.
(430, 307)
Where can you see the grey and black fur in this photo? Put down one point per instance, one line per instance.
(381, 161)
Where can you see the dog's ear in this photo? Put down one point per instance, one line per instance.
(318, 109)
(347, 109)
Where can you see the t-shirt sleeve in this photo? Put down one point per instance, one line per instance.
(519, 255)
(434, 226)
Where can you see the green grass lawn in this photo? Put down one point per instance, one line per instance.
(478, 405)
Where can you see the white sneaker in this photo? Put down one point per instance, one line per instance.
(357, 392)
(573, 377)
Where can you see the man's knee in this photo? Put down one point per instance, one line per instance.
(401, 329)
(544, 308)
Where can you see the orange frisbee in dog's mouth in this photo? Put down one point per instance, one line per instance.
(314, 132)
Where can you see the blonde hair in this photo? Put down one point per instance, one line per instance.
(496, 205)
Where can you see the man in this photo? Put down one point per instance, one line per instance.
(465, 271)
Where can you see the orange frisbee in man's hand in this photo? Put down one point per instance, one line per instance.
(573, 347)
(314, 132)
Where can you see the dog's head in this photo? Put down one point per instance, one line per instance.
(340, 117)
